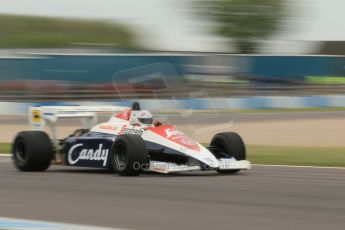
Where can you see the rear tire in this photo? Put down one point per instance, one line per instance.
(129, 155)
(32, 151)
(230, 144)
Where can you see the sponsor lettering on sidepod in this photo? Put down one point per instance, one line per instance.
(99, 154)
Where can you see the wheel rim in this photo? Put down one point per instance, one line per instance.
(120, 157)
(19, 151)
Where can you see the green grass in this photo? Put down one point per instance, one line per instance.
(45, 32)
(281, 155)
(287, 155)
(335, 80)
(5, 148)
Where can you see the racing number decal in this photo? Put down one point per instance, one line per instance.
(36, 116)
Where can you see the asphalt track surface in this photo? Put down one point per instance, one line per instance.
(263, 198)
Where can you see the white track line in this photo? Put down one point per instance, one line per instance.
(5, 155)
(16, 224)
(300, 166)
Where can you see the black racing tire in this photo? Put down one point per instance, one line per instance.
(231, 144)
(128, 155)
(32, 151)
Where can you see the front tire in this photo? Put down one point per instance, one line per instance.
(32, 151)
(129, 155)
(228, 144)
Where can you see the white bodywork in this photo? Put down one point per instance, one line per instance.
(42, 116)
(165, 135)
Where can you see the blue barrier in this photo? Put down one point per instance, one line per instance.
(74, 68)
(101, 68)
(296, 67)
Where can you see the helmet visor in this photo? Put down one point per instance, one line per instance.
(146, 121)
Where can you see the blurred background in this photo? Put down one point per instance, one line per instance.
(271, 70)
(70, 50)
(233, 56)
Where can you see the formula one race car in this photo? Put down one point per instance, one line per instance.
(129, 143)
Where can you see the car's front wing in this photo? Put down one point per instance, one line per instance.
(224, 164)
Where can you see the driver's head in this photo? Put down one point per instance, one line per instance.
(142, 117)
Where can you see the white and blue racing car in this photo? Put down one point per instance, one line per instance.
(129, 143)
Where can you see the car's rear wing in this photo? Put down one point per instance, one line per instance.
(42, 116)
